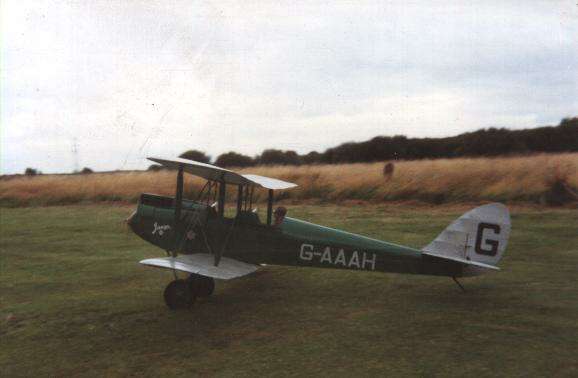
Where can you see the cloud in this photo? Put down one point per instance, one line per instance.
(132, 79)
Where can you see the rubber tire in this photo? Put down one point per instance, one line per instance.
(178, 295)
(202, 286)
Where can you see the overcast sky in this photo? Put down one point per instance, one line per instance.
(130, 79)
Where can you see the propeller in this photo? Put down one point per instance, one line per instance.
(126, 222)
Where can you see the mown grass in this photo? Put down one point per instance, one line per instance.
(529, 179)
(74, 301)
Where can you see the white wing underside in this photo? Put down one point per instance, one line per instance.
(203, 264)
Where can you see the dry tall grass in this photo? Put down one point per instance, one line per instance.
(528, 178)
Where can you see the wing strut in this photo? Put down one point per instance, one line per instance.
(178, 202)
(222, 192)
(222, 250)
(179, 195)
(269, 207)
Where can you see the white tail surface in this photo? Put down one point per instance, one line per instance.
(478, 238)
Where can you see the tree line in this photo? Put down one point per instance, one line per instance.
(484, 142)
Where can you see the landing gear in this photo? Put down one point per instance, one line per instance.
(201, 285)
(178, 295)
(182, 294)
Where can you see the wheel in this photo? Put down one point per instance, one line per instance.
(178, 295)
(201, 285)
(207, 287)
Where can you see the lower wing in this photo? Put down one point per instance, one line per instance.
(203, 264)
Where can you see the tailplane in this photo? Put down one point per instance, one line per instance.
(477, 239)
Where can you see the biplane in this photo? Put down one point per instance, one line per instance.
(206, 241)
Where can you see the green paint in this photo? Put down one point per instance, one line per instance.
(294, 242)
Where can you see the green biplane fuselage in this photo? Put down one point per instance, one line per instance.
(293, 242)
(201, 238)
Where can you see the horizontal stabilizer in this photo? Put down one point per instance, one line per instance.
(463, 261)
(203, 264)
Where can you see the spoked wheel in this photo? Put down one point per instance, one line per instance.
(201, 285)
(178, 295)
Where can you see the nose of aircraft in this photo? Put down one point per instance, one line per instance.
(131, 220)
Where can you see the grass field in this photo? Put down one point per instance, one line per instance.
(74, 301)
(542, 178)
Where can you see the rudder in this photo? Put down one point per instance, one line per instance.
(478, 238)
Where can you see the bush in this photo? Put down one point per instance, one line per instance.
(155, 167)
(559, 190)
(32, 172)
(196, 156)
(233, 159)
(86, 171)
(388, 169)
(312, 157)
(278, 157)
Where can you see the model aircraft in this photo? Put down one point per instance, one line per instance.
(202, 240)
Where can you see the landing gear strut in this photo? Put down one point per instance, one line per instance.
(182, 294)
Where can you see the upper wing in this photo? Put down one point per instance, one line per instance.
(214, 173)
(203, 264)
(269, 183)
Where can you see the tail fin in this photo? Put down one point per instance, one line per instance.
(478, 239)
